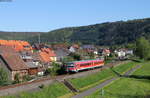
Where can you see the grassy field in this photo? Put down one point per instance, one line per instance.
(95, 79)
(52, 91)
(144, 70)
(135, 87)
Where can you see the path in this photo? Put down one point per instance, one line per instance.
(92, 90)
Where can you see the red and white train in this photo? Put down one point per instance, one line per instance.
(82, 65)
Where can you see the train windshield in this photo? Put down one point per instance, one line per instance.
(70, 65)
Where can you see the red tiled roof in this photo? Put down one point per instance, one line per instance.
(45, 55)
(13, 60)
(49, 52)
(16, 44)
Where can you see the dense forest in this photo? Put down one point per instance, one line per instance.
(18, 35)
(109, 33)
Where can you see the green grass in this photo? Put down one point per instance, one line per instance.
(124, 88)
(144, 70)
(127, 87)
(91, 79)
(125, 67)
(52, 91)
(95, 79)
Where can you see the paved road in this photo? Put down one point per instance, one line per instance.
(92, 90)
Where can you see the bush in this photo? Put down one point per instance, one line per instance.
(27, 78)
(3, 77)
(17, 78)
(41, 86)
(54, 70)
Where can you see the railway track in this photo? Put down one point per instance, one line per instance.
(27, 86)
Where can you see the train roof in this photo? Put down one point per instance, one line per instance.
(85, 60)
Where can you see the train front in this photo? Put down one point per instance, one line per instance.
(70, 67)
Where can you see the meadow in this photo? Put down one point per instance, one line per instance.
(136, 85)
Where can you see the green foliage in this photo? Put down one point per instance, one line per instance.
(131, 46)
(54, 70)
(143, 48)
(41, 86)
(27, 78)
(115, 33)
(17, 78)
(75, 56)
(67, 59)
(3, 77)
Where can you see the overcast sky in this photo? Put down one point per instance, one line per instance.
(46, 15)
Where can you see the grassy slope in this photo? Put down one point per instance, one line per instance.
(94, 79)
(52, 91)
(144, 70)
(127, 87)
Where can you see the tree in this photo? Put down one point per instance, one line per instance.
(131, 46)
(143, 48)
(75, 56)
(54, 70)
(3, 76)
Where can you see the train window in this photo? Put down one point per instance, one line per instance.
(70, 64)
(85, 64)
(97, 62)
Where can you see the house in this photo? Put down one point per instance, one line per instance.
(106, 52)
(40, 46)
(129, 52)
(32, 62)
(89, 49)
(61, 53)
(74, 48)
(123, 52)
(11, 61)
(26, 56)
(35, 68)
(50, 53)
(47, 55)
(60, 46)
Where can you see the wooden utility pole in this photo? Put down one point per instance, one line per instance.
(39, 38)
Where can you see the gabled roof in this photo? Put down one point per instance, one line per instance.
(44, 57)
(12, 59)
(49, 52)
